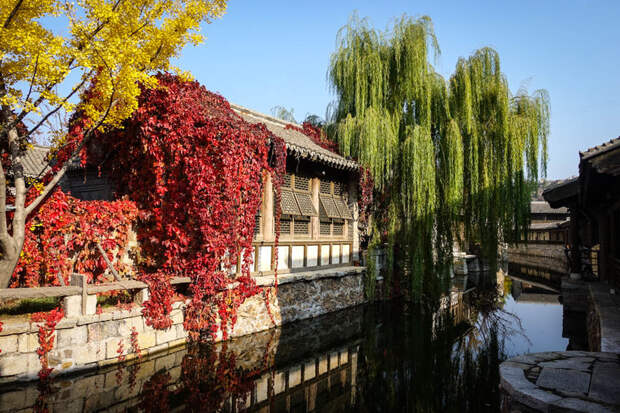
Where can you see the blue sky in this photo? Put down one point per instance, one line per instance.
(263, 54)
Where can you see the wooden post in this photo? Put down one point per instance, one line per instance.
(79, 280)
(268, 224)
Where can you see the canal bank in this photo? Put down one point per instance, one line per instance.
(389, 356)
(581, 381)
(93, 341)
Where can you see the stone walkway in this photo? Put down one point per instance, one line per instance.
(576, 381)
(607, 307)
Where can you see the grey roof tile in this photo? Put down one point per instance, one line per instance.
(35, 161)
(542, 207)
(599, 149)
(296, 142)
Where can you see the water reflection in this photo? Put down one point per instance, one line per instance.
(393, 356)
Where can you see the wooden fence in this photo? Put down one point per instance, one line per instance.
(78, 287)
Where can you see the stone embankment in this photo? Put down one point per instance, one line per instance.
(93, 341)
(544, 256)
(574, 381)
(288, 366)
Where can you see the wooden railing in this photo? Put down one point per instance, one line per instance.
(90, 289)
(293, 256)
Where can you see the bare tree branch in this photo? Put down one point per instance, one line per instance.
(57, 108)
(34, 73)
(3, 228)
(12, 14)
(58, 176)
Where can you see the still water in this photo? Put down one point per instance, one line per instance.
(388, 357)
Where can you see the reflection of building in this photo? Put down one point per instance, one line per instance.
(593, 199)
(525, 291)
(278, 370)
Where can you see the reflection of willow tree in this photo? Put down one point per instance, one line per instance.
(402, 368)
(491, 317)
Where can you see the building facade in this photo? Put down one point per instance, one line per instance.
(593, 199)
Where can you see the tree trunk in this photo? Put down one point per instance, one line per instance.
(8, 262)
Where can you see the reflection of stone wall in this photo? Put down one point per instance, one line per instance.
(300, 366)
(551, 257)
(92, 341)
(113, 387)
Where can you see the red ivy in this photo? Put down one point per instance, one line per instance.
(135, 348)
(193, 171)
(194, 168)
(62, 238)
(366, 198)
(46, 337)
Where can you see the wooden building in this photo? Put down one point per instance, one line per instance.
(318, 226)
(548, 225)
(593, 199)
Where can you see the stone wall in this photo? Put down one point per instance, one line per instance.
(92, 341)
(548, 256)
(286, 366)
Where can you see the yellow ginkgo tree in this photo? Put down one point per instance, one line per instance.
(51, 51)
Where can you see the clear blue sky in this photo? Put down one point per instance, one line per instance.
(263, 54)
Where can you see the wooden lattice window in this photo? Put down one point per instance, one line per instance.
(301, 227)
(302, 183)
(287, 181)
(334, 213)
(326, 187)
(297, 207)
(350, 229)
(338, 228)
(257, 226)
(285, 226)
(325, 228)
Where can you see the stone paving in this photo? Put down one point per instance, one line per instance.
(607, 308)
(576, 381)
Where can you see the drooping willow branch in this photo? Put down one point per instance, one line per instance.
(444, 155)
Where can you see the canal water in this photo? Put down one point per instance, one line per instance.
(386, 357)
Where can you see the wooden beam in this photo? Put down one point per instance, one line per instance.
(38, 292)
(107, 261)
(41, 292)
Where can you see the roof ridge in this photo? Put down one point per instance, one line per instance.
(600, 148)
(256, 114)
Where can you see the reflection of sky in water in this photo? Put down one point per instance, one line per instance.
(542, 324)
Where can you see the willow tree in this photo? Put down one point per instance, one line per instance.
(443, 154)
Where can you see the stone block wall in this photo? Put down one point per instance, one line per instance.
(92, 341)
(551, 257)
(305, 381)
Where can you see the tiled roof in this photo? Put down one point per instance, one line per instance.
(35, 161)
(542, 207)
(602, 148)
(296, 142)
(548, 225)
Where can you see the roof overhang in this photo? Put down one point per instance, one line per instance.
(563, 194)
